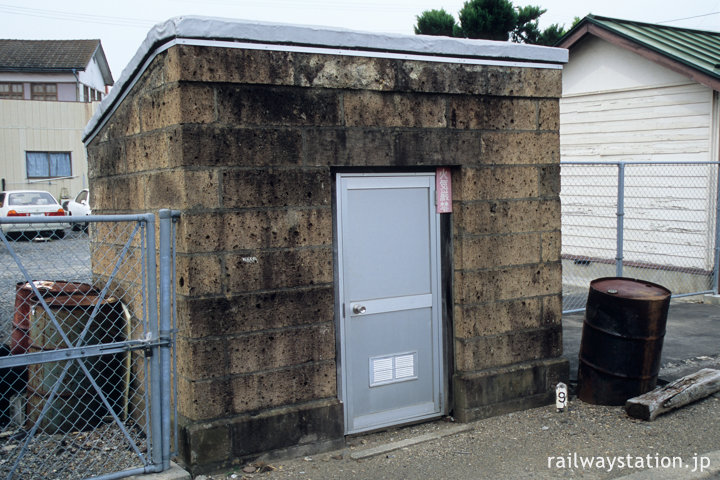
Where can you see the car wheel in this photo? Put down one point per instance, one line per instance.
(76, 227)
(26, 235)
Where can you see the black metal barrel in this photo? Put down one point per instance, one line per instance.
(622, 339)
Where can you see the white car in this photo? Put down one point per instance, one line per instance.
(31, 203)
(79, 207)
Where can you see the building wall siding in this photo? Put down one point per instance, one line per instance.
(661, 124)
(623, 108)
(43, 126)
(598, 66)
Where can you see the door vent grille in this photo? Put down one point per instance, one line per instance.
(393, 368)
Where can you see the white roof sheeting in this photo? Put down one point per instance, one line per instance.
(230, 33)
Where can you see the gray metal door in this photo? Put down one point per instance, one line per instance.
(388, 260)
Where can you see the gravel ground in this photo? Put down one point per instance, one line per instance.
(71, 456)
(519, 445)
(75, 454)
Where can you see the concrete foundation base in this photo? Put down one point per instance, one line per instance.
(501, 390)
(174, 473)
(711, 299)
(281, 433)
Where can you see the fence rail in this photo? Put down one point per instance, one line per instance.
(648, 220)
(87, 334)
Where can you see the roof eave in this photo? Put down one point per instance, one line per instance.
(42, 69)
(101, 59)
(329, 40)
(588, 27)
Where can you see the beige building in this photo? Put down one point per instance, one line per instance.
(48, 92)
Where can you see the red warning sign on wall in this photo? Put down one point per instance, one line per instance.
(443, 190)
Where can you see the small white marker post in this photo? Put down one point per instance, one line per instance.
(561, 397)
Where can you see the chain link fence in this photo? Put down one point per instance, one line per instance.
(651, 221)
(83, 353)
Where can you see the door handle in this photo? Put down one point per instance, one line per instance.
(358, 309)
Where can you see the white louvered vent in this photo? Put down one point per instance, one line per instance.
(393, 368)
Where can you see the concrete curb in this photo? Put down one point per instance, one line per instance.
(680, 473)
(389, 447)
(175, 472)
(711, 299)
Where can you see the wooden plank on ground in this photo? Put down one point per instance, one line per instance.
(681, 392)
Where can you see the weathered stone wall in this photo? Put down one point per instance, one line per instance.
(243, 142)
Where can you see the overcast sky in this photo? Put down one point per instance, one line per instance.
(122, 26)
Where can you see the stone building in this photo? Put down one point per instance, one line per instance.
(320, 291)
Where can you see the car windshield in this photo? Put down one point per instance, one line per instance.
(30, 198)
(82, 196)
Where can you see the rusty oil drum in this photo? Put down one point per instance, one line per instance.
(74, 403)
(25, 301)
(622, 339)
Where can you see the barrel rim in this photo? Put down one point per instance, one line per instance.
(663, 293)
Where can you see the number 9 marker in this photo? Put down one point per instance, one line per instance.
(561, 396)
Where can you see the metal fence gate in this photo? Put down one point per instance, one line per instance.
(652, 221)
(87, 360)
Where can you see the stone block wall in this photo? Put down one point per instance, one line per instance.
(245, 144)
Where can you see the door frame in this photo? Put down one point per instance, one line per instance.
(440, 369)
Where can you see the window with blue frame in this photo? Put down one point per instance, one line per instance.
(48, 164)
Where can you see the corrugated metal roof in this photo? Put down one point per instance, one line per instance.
(46, 55)
(697, 49)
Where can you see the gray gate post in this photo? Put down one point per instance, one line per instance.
(165, 329)
(154, 360)
(716, 268)
(620, 219)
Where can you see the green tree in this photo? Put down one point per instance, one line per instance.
(488, 19)
(491, 20)
(551, 35)
(435, 22)
(526, 28)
